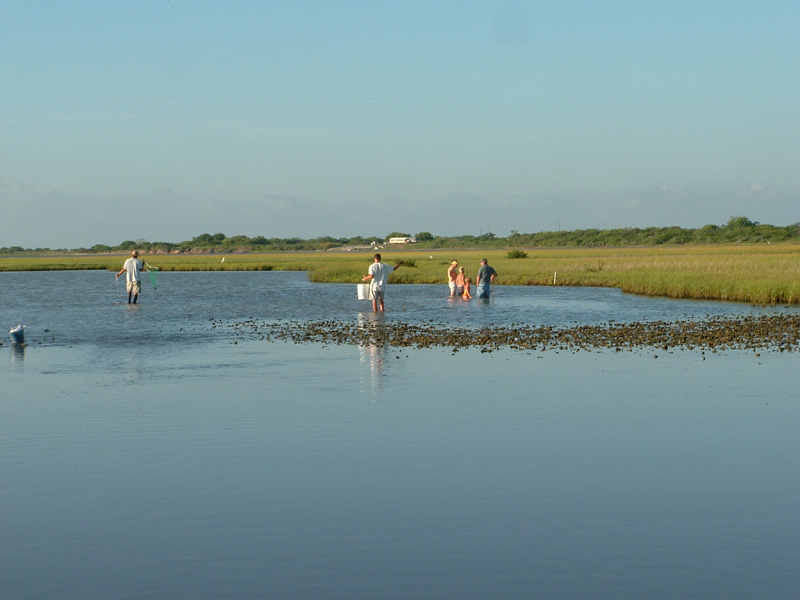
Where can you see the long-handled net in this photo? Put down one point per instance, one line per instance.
(152, 272)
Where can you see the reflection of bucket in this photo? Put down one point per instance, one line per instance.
(363, 291)
(18, 335)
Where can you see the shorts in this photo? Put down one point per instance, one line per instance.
(452, 285)
(377, 295)
(484, 291)
(134, 286)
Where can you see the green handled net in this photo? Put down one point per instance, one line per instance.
(153, 273)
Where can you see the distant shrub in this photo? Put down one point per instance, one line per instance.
(517, 254)
(594, 268)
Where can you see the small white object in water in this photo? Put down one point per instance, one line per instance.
(18, 335)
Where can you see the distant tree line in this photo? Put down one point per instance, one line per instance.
(738, 230)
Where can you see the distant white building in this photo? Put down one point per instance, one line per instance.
(403, 240)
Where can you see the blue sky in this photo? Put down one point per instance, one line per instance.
(165, 120)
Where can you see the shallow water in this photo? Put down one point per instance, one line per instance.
(88, 307)
(144, 454)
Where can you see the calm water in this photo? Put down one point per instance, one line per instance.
(144, 454)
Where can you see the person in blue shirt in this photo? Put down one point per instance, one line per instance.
(486, 276)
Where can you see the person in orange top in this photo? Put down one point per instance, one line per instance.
(467, 287)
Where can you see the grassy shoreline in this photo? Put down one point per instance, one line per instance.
(759, 274)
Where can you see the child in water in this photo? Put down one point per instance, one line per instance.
(467, 286)
(460, 281)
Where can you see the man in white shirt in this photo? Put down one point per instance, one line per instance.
(378, 276)
(133, 267)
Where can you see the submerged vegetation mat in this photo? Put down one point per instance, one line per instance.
(758, 333)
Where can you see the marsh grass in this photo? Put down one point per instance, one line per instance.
(760, 274)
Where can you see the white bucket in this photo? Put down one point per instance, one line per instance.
(363, 291)
(18, 335)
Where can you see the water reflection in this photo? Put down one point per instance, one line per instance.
(132, 366)
(372, 357)
(17, 356)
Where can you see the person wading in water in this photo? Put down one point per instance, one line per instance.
(378, 275)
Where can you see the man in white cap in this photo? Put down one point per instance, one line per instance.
(133, 266)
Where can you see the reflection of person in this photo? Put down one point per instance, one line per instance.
(452, 273)
(486, 275)
(460, 282)
(378, 275)
(133, 266)
(466, 294)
